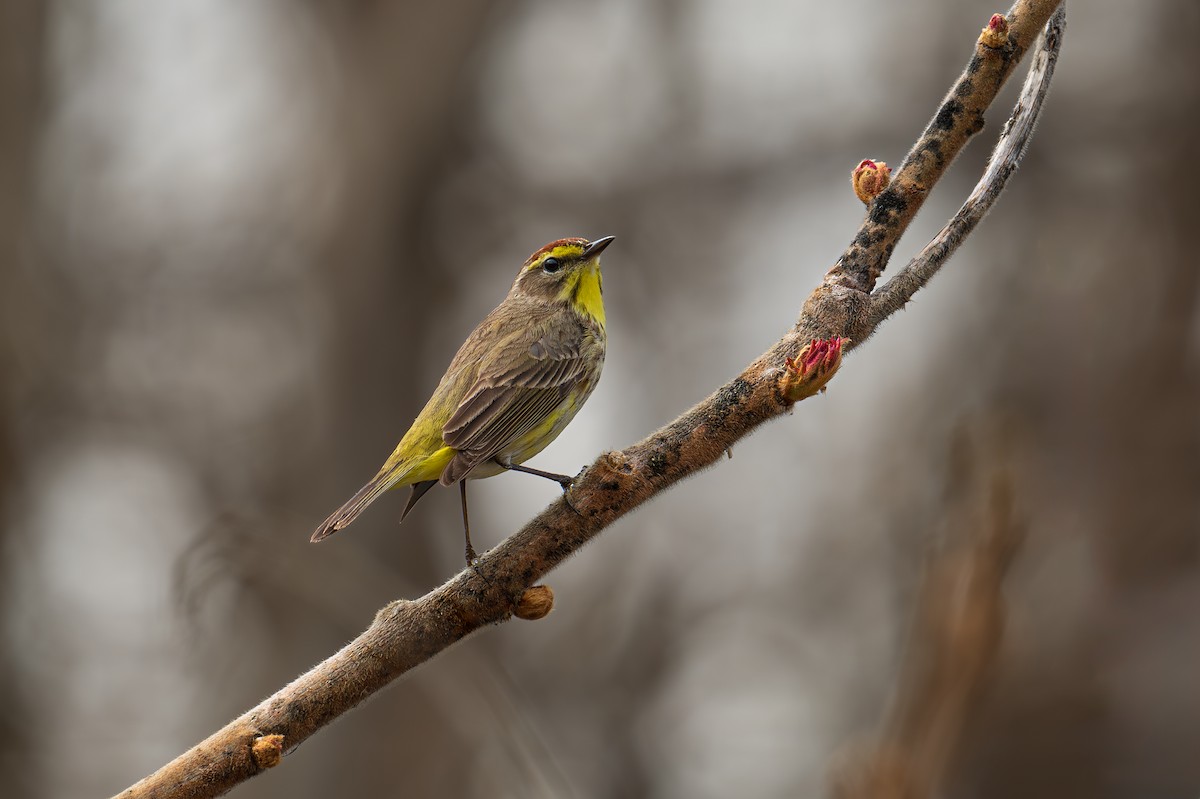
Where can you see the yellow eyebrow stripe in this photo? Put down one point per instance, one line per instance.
(562, 252)
(567, 251)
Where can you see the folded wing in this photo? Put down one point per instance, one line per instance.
(511, 397)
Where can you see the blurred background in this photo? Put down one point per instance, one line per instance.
(239, 243)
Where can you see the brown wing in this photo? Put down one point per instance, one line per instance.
(517, 388)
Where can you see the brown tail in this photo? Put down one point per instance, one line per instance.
(349, 512)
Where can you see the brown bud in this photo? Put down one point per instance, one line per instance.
(869, 178)
(536, 603)
(995, 35)
(267, 750)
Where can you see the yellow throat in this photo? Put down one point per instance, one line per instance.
(586, 295)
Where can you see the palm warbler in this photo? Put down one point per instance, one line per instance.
(516, 382)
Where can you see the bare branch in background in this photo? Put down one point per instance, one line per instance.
(841, 311)
(956, 634)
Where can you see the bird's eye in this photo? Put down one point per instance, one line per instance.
(551, 265)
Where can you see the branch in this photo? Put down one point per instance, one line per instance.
(406, 633)
(894, 294)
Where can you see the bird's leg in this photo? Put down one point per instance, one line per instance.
(562, 479)
(470, 552)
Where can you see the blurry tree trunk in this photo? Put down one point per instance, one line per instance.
(395, 119)
(377, 91)
(953, 643)
(21, 59)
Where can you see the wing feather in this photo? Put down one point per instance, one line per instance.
(517, 388)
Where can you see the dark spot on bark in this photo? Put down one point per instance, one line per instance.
(670, 450)
(888, 202)
(934, 148)
(610, 485)
(728, 398)
(555, 554)
(976, 125)
(866, 238)
(964, 88)
(657, 464)
(946, 114)
(974, 64)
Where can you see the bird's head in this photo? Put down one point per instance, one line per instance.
(567, 270)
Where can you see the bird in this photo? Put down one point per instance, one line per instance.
(514, 385)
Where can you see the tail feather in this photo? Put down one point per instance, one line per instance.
(356, 505)
(418, 491)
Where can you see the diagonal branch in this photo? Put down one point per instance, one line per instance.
(406, 633)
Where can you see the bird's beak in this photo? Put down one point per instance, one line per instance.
(594, 248)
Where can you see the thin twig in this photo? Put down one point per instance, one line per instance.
(958, 118)
(407, 633)
(893, 295)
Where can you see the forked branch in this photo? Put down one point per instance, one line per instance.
(894, 294)
(840, 313)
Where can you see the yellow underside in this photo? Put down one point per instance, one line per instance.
(429, 469)
(521, 450)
